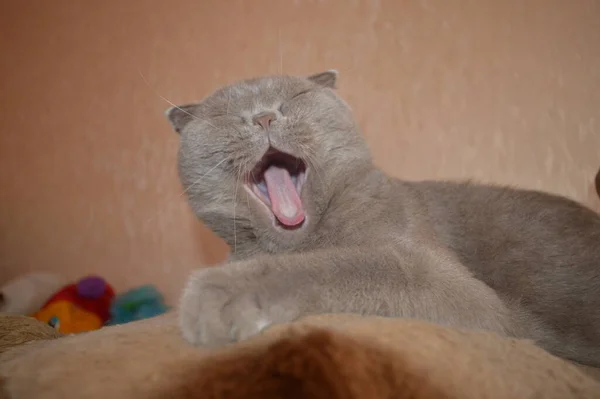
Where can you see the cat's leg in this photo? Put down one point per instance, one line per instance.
(237, 300)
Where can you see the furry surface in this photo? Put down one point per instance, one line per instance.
(327, 356)
(18, 330)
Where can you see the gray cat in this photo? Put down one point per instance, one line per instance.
(277, 167)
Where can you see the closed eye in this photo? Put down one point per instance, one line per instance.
(295, 96)
(300, 94)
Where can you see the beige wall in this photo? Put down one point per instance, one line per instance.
(505, 91)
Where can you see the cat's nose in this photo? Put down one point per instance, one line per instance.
(264, 119)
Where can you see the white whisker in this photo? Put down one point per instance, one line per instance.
(310, 159)
(247, 199)
(202, 177)
(164, 98)
(239, 133)
(171, 103)
(186, 190)
(237, 183)
(246, 172)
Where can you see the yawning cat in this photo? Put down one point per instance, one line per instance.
(277, 167)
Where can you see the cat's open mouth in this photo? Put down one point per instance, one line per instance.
(277, 181)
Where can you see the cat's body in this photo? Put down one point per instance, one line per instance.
(351, 239)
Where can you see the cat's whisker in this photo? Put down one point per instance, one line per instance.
(208, 123)
(171, 103)
(246, 172)
(203, 176)
(344, 70)
(238, 132)
(164, 98)
(310, 159)
(247, 199)
(151, 218)
(237, 184)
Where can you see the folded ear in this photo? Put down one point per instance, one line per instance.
(325, 79)
(179, 116)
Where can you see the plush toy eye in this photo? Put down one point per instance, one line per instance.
(54, 322)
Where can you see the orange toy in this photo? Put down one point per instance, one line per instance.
(79, 307)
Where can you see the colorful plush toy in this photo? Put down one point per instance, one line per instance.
(136, 304)
(79, 307)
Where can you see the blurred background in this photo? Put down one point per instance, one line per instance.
(499, 91)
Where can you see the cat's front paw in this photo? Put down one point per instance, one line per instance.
(229, 303)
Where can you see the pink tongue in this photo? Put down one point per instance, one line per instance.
(285, 202)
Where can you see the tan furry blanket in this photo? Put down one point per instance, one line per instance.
(330, 356)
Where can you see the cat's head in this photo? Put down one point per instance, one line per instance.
(267, 155)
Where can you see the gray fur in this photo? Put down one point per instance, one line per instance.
(515, 262)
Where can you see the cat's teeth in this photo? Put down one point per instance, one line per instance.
(295, 180)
